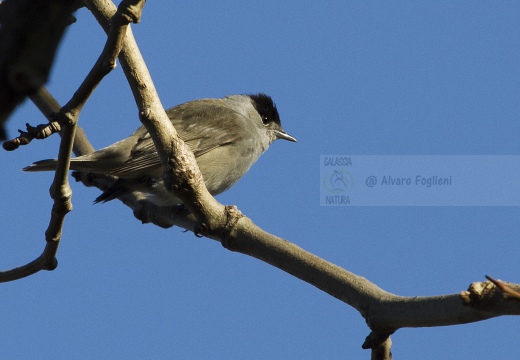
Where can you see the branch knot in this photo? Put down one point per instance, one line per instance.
(233, 215)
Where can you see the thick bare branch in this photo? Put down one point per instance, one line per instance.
(181, 173)
(383, 351)
(383, 311)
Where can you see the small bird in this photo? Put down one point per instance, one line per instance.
(226, 136)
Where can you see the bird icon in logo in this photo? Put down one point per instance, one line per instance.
(337, 181)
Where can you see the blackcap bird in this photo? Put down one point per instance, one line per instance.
(226, 136)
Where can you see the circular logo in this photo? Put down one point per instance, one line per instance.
(338, 181)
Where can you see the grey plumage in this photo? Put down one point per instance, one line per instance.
(226, 136)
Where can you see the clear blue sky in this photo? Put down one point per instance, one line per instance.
(367, 78)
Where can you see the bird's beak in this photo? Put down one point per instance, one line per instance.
(280, 134)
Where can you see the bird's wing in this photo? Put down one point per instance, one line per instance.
(207, 125)
(203, 128)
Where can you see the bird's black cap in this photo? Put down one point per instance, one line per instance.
(266, 108)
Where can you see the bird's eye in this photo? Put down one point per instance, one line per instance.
(265, 120)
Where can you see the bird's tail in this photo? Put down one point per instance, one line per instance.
(42, 165)
(77, 164)
(117, 189)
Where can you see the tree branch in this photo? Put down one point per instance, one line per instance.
(383, 311)
(48, 105)
(181, 173)
(381, 350)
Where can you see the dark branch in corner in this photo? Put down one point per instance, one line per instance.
(30, 33)
(130, 12)
(67, 116)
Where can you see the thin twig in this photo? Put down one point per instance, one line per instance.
(48, 105)
(508, 292)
